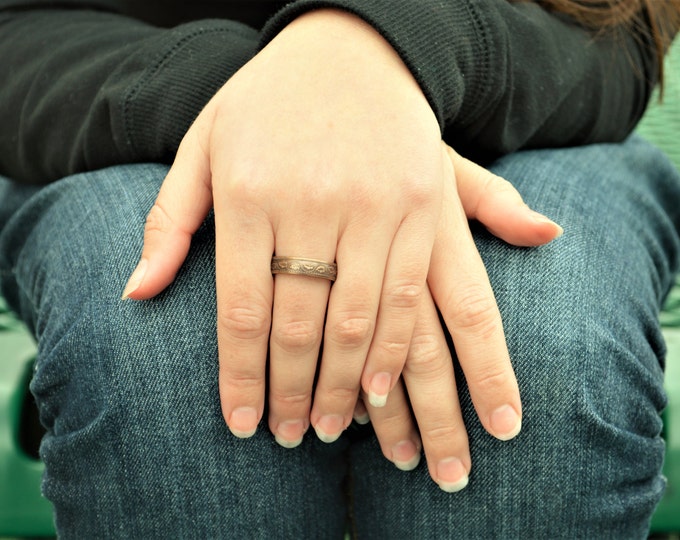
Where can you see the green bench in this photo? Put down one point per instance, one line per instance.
(661, 125)
(24, 513)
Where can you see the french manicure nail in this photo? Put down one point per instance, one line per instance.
(289, 434)
(379, 388)
(405, 455)
(505, 423)
(330, 427)
(362, 419)
(360, 414)
(135, 279)
(243, 422)
(540, 218)
(451, 475)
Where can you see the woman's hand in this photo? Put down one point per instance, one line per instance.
(428, 374)
(322, 147)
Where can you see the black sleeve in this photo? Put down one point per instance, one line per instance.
(85, 88)
(503, 75)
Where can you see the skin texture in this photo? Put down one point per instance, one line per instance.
(367, 182)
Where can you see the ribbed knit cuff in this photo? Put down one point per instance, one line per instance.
(444, 44)
(196, 60)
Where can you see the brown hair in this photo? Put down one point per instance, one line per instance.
(657, 20)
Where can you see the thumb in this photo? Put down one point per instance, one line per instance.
(183, 202)
(496, 203)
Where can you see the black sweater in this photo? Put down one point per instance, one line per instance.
(90, 83)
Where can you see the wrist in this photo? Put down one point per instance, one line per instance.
(333, 22)
(344, 41)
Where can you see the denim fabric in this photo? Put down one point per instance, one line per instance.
(136, 446)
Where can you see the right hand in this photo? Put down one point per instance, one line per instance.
(337, 161)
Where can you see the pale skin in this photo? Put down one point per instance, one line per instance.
(323, 146)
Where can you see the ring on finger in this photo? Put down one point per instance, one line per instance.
(304, 267)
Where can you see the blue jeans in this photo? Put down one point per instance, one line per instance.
(136, 446)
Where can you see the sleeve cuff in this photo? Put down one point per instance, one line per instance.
(197, 60)
(439, 42)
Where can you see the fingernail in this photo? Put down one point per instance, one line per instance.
(362, 419)
(330, 427)
(135, 279)
(360, 413)
(405, 455)
(289, 434)
(379, 388)
(451, 475)
(243, 422)
(540, 218)
(505, 423)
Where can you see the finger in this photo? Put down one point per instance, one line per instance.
(461, 289)
(395, 430)
(181, 206)
(350, 324)
(430, 382)
(496, 203)
(244, 284)
(403, 288)
(361, 413)
(297, 327)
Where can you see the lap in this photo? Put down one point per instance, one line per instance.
(581, 323)
(128, 390)
(136, 445)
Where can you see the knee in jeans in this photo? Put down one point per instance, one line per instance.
(81, 238)
(592, 423)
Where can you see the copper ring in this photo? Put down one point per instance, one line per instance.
(304, 267)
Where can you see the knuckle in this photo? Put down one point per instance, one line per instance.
(504, 186)
(345, 394)
(492, 380)
(352, 332)
(243, 381)
(494, 187)
(476, 312)
(480, 176)
(158, 220)
(296, 336)
(290, 399)
(495, 184)
(394, 349)
(405, 296)
(247, 184)
(426, 357)
(442, 434)
(243, 192)
(244, 321)
(321, 195)
(420, 193)
(365, 202)
(393, 426)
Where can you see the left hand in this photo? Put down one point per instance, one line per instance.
(428, 373)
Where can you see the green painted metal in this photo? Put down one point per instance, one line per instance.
(23, 511)
(667, 515)
(661, 125)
